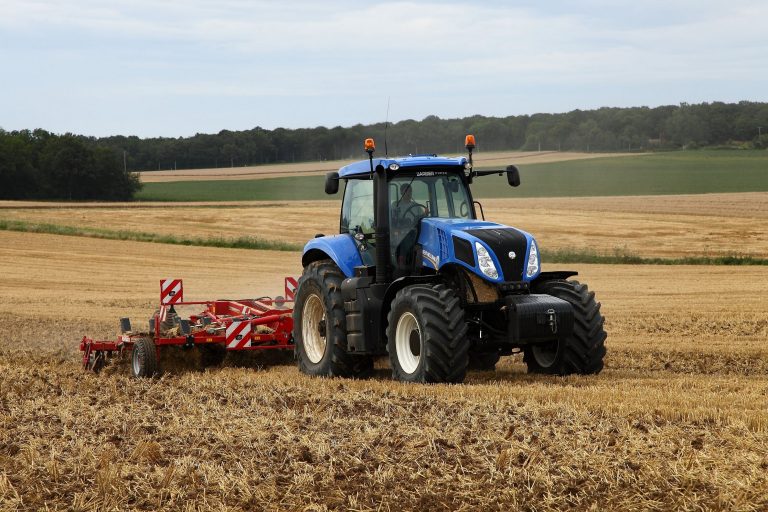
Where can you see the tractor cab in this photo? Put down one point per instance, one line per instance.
(414, 193)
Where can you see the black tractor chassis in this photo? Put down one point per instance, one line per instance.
(363, 300)
(533, 318)
(518, 319)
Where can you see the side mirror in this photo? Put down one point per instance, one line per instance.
(513, 176)
(332, 183)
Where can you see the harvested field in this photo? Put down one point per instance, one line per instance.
(314, 168)
(648, 226)
(678, 419)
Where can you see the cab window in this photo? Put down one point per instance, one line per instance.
(357, 209)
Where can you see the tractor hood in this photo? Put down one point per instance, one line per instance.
(493, 251)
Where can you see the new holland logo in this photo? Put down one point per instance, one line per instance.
(434, 260)
(512, 255)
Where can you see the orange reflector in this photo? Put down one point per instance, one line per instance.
(370, 145)
(469, 141)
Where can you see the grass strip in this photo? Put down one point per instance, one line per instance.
(617, 257)
(679, 172)
(243, 242)
(623, 257)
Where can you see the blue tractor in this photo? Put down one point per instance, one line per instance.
(415, 275)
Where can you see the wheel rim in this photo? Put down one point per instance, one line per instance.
(313, 328)
(137, 361)
(545, 353)
(408, 342)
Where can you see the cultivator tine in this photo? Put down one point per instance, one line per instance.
(86, 347)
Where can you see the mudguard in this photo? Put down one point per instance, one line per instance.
(340, 248)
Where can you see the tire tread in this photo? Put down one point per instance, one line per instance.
(584, 350)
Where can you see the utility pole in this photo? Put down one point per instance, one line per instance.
(759, 131)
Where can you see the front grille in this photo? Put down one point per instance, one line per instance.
(502, 241)
(463, 251)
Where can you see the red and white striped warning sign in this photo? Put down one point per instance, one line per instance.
(238, 334)
(291, 283)
(171, 291)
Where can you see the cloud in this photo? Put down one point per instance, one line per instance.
(344, 53)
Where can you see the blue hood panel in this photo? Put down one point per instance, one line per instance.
(439, 248)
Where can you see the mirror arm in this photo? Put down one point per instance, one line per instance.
(488, 173)
(481, 209)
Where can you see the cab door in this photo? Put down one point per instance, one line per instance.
(357, 218)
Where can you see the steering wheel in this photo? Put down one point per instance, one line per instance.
(410, 212)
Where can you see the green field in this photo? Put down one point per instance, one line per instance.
(684, 172)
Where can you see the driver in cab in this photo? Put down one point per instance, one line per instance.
(405, 211)
(406, 214)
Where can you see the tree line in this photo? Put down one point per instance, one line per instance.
(743, 124)
(41, 165)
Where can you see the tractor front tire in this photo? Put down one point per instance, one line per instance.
(427, 335)
(320, 330)
(583, 351)
(144, 358)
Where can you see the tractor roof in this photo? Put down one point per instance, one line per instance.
(405, 163)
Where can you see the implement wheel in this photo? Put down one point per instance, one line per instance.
(583, 351)
(319, 325)
(144, 358)
(427, 335)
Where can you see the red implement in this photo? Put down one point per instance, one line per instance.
(242, 324)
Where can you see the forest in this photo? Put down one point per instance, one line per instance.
(36, 164)
(40, 165)
(743, 124)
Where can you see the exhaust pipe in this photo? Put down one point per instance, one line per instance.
(382, 225)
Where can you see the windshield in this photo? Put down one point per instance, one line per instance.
(438, 195)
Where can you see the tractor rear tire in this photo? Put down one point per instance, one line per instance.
(427, 335)
(144, 358)
(320, 330)
(583, 351)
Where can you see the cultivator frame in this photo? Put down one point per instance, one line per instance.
(229, 324)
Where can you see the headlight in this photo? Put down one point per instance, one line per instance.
(486, 262)
(533, 260)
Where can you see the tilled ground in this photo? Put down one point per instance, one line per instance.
(678, 418)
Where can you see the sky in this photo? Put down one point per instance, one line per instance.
(176, 68)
